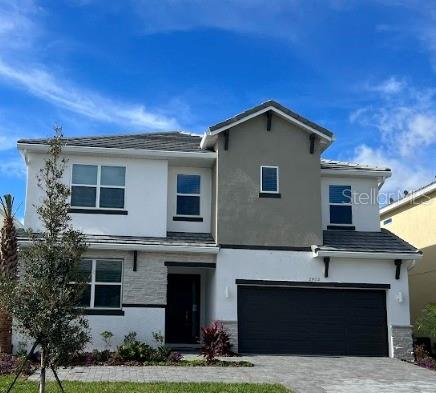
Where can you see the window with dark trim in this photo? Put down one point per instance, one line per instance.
(387, 221)
(269, 179)
(98, 186)
(188, 195)
(340, 205)
(104, 283)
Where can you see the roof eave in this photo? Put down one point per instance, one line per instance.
(212, 131)
(357, 172)
(319, 252)
(196, 249)
(145, 153)
(410, 198)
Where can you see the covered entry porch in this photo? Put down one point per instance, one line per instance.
(189, 302)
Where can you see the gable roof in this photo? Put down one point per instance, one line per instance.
(383, 242)
(410, 198)
(270, 105)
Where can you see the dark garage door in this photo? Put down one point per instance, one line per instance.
(312, 321)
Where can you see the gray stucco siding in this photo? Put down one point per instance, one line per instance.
(243, 217)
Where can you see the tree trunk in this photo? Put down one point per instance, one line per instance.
(8, 265)
(42, 376)
(5, 332)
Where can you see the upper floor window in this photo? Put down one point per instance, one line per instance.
(188, 195)
(103, 277)
(387, 221)
(269, 179)
(98, 186)
(340, 205)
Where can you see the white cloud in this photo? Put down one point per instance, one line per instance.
(17, 29)
(391, 85)
(405, 118)
(62, 93)
(6, 142)
(22, 33)
(12, 167)
(283, 19)
(243, 16)
(406, 122)
(406, 175)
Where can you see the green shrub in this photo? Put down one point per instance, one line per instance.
(162, 352)
(133, 349)
(107, 338)
(426, 323)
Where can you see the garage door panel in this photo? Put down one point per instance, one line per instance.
(312, 321)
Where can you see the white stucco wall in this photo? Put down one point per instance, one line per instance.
(145, 197)
(205, 200)
(365, 209)
(301, 266)
(143, 321)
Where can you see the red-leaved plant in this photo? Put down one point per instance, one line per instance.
(216, 341)
(423, 359)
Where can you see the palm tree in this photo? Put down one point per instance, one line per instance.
(8, 265)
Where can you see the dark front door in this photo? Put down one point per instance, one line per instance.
(182, 318)
(312, 321)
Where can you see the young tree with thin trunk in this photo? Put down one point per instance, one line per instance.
(43, 301)
(8, 265)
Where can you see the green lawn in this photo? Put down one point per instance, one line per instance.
(121, 387)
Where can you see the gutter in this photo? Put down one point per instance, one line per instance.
(154, 248)
(317, 252)
(411, 197)
(356, 172)
(139, 153)
(145, 247)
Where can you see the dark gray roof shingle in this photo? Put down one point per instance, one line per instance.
(172, 239)
(169, 141)
(276, 105)
(335, 164)
(359, 241)
(163, 141)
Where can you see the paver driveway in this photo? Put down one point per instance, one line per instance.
(302, 374)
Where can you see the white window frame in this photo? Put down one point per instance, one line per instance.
(93, 282)
(278, 180)
(182, 194)
(342, 204)
(98, 186)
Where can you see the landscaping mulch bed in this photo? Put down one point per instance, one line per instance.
(9, 364)
(86, 361)
(202, 363)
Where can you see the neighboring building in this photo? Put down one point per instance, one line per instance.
(414, 219)
(247, 225)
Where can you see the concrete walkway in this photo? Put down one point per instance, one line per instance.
(302, 374)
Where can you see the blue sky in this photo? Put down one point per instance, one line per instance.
(364, 69)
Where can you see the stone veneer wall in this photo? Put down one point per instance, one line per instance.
(402, 342)
(148, 284)
(232, 329)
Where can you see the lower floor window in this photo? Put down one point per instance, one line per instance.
(104, 283)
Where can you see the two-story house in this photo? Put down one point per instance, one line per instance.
(247, 225)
